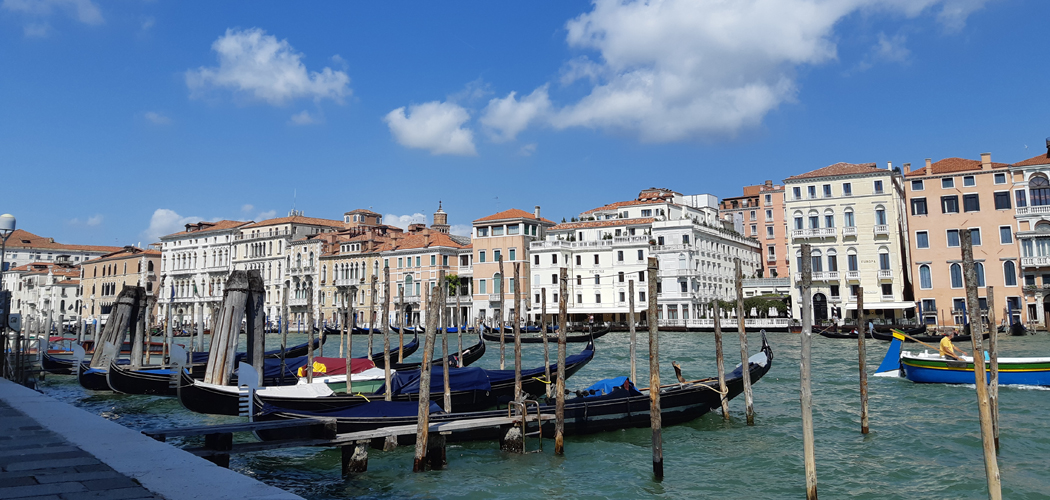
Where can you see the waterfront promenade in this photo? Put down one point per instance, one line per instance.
(52, 450)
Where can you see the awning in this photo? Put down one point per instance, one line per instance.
(851, 306)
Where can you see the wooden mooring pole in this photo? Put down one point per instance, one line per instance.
(991, 465)
(993, 359)
(543, 331)
(749, 401)
(285, 315)
(255, 324)
(517, 332)
(348, 326)
(655, 418)
(805, 392)
(443, 319)
(422, 455)
(502, 314)
(382, 318)
(401, 324)
(631, 328)
(310, 329)
(559, 386)
(861, 355)
(461, 324)
(372, 313)
(720, 360)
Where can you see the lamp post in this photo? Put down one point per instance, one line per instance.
(7, 226)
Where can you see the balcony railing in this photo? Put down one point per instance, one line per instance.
(678, 272)
(465, 271)
(1035, 261)
(820, 276)
(853, 275)
(302, 270)
(297, 302)
(849, 231)
(822, 232)
(882, 229)
(1041, 209)
(494, 297)
(250, 236)
(885, 274)
(339, 282)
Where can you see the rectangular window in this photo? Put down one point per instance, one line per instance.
(623, 297)
(579, 279)
(444, 260)
(947, 183)
(814, 222)
(1006, 235)
(399, 261)
(497, 230)
(1029, 279)
(975, 236)
(481, 256)
(798, 223)
(829, 221)
(641, 296)
(754, 215)
(887, 290)
(641, 276)
(685, 237)
(769, 199)
(769, 232)
(496, 255)
(878, 187)
(969, 181)
(971, 203)
(847, 189)
(433, 260)
(812, 191)
(483, 286)
(953, 238)
(641, 254)
(769, 215)
(513, 254)
(884, 261)
(620, 276)
(537, 301)
(579, 260)
(950, 204)
(596, 259)
(771, 252)
(1000, 178)
(619, 255)
(647, 213)
(916, 185)
(536, 260)
(918, 206)
(797, 191)
(510, 284)
(417, 261)
(833, 263)
(851, 262)
(483, 231)
(683, 286)
(754, 230)
(1021, 199)
(834, 291)
(922, 239)
(554, 258)
(579, 298)
(827, 190)
(847, 217)
(513, 229)
(597, 279)
(1002, 200)
(554, 279)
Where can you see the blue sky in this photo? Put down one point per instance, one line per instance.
(123, 120)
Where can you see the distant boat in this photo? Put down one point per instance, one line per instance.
(930, 368)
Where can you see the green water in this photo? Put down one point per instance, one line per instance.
(924, 440)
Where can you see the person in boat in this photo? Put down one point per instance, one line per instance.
(948, 349)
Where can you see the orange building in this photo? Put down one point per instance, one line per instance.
(507, 234)
(759, 214)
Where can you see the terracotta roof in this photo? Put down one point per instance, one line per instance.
(950, 165)
(513, 213)
(362, 211)
(1035, 160)
(422, 240)
(627, 203)
(297, 219)
(603, 223)
(841, 168)
(215, 226)
(124, 253)
(24, 239)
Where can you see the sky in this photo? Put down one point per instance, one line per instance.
(121, 121)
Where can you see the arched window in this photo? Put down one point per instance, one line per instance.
(851, 259)
(408, 285)
(880, 216)
(1039, 190)
(884, 259)
(814, 220)
(829, 218)
(833, 260)
(1010, 273)
(979, 267)
(956, 275)
(497, 283)
(815, 256)
(847, 218)
(925, 279)
(149, 268)
(798, 220)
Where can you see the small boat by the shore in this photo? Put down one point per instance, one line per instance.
(493, 335)
(832, 334)
(931, 368)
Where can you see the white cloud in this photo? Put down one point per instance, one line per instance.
(164, 222)
(94, 220)
(266, 69)
(269, 214)
(460, 229)
(157, 118)
(247, 207)
(434, 126)
(402, 221)
(528, 149)
(84, 11)
(36, 30)
(892, 49)
(303, 118)
(505, 118)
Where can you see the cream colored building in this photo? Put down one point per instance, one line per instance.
(1030, 183)
(102, 279)
(853, 215)
(45, 292)
(195, 264)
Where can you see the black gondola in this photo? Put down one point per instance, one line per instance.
(624, 407)
(924, 338)
(832, 334)
(1017, 329)
(58, 365)
(470, 355)
(493, 335)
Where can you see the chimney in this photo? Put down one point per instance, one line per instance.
(986, 161)
(1048, 147)
(907, 168)
(889, 165)
(928, 162)
(536, 211)
(769, 184)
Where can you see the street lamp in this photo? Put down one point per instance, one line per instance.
(7, 226)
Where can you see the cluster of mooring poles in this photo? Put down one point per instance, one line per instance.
(987, 397)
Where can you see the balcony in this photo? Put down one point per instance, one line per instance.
(852, 275)
(885, 274)
(343, 282)
(275, 234)
(849, 231)
(1035, 261)
(820, 276)
(882, 229)
(822, 232)
(494, 297)
(677, 272)
(1034, 210)
(302, 270)
(673, 248)
(297, 302)
(465, 271)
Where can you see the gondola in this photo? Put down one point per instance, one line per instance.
(294, 351)
(473, 389)
(933, 339)
(493, 335)
(393, 331)
(918, 330)
(200, 397)
(470, 355)
(619, 406)
(832, 334)
(1017, 329)
(158, 381)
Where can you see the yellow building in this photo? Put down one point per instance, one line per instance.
(103, 278)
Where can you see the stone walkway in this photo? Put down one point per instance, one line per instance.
(38, 464)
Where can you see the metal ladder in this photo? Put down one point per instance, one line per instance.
(522, 408)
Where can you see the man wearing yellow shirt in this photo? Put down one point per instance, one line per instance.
(947, 348)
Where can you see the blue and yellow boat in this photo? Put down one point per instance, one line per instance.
(930, 368)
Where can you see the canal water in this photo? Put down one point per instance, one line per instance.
(924, 440)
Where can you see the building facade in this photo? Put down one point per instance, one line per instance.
(507, 234)
(1030, 183)
(759, 214)
(24, 248)
(195, 264)
(854, 218)
(45, 293)
(102, 279)
(944, 199)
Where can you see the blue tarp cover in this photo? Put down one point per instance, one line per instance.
(459, 379)
(372, 409)
(497, 376)
(606, 386)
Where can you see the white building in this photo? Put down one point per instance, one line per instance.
(43, 292)
(609, 247)
(194, 266)
(24, 248)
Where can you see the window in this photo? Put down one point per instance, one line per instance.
(880, 216)
(925, 279)
(829, 220)
(812, 190)
(683, 286)
(834, 291)
(1009, 273)
(641, 254)
(536, 260)
(623, 297)
(769, 199)
(971, 203)
(597, 298)
(513, 229)
(497, 230)
(641, 296)
(481, 256)
(848, 218)
(444, 260)
(816, 262)
(797, 191)
(878, 187)
(979, 267)
(1000, 178)
(399, 260)
(833, 261)
(916, 185)
(847, 189)
(950, 204)
(660, 240)
(641, 276)
(827, 190)
(647, 212)
(851, 262)
(496, 255)
(771, 252)
(769, 232)
(1006, 235)
(433, 260)
(1039, 188)
(482, 286)
(597, 279)
(769, 214)
(754, 215)
(1029, 279)
(596, 259)
(887, 289)
(956, 275)
(483, 231)
(953, 238)
(754, 230)
(620, 276)
(798, 222)
(554, 258)
(579, 260)
(685, 237)
(1002, 200)
(513, 253)
(947, 183)
(918, 206)
(884, 261)
(969, 181)
(922, 239)
(1020, 198)
(579, 279)
(619, 255)
(975, 236)
(579, 298)
(814, 222)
